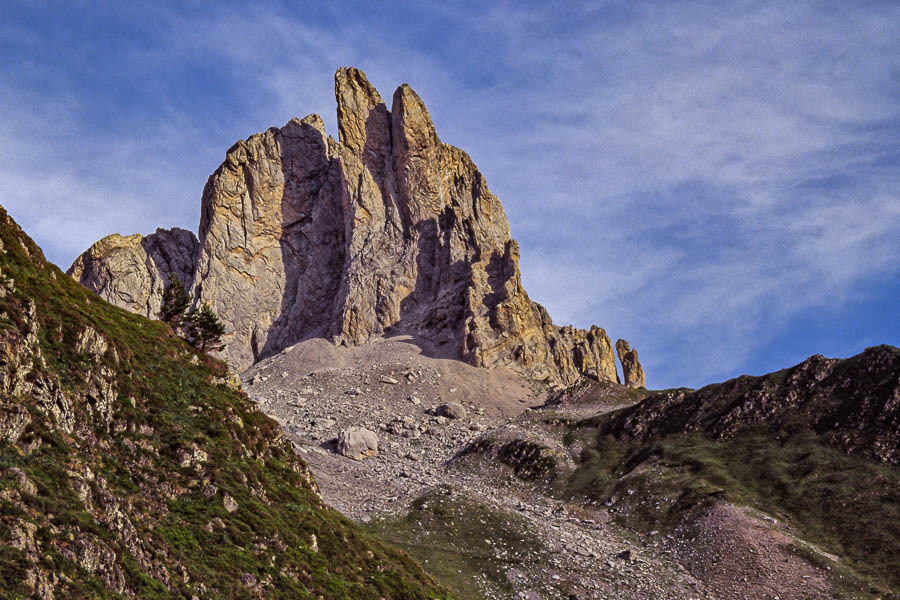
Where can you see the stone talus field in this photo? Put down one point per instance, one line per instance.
(386, 231)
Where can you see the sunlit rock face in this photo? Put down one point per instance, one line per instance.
(133, 271)
(632, 371)
(386, 231)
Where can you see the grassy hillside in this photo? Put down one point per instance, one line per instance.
(130, 468)
(814, 446)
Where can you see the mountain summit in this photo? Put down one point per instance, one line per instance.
(386, 231)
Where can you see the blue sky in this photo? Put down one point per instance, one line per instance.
(715, 182)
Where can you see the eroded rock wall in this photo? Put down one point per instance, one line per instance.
(386, 231)
(272, 248)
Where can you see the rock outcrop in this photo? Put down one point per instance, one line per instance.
(632, 371)
(852, 403)
(133, 271)
(386, 231)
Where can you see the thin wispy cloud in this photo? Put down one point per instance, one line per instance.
(700, 178)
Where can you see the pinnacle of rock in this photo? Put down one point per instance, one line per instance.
(386, 231)
(363, 119)
(632, 370)
(413, 130)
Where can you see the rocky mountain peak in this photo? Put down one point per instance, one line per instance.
(386, 231)
(414, 133)
(364, 122)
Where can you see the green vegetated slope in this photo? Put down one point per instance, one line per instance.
(816, 445)
(466, 544)
(130, 468)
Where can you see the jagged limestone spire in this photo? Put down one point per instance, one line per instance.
(386, 231)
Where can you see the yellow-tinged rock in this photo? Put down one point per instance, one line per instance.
(387, 230)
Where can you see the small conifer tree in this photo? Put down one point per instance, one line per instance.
(205, 329)
(175, 302)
